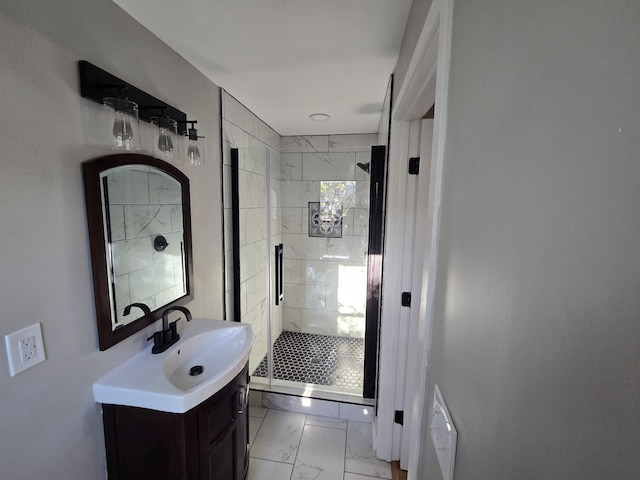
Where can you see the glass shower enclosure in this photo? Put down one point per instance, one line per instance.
(300, 239)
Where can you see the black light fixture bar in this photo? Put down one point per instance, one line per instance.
(96, 84)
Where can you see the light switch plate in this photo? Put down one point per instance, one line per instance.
(25, 348)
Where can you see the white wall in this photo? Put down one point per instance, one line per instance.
(536, 331)
(385, 116)
(50, 426)
(417, 16)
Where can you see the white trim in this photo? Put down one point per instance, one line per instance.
(417, 93)
(445, 22)
(418, 88)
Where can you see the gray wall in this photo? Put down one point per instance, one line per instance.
(50, 426)
(536, 341)
(417, 16)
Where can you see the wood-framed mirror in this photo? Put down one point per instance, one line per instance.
(139, 220)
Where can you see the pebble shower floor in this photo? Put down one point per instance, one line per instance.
(317, 359)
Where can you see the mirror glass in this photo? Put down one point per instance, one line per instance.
(144, 236)
(139, 224)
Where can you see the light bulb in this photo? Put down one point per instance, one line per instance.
(165, 144)
(193, 152)
(125, 129)
(122, 130)
(195, 156)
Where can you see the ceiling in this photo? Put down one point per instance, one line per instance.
(287, 59)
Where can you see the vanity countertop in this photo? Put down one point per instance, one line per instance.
(166, 381)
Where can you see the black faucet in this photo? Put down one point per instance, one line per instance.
(169, 333)
(141, 306)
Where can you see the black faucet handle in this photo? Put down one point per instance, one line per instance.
(154, 336)
(157, 342)
(173, 328)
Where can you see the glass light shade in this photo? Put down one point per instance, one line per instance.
(195, 149)
(166, 143)
(125, 130)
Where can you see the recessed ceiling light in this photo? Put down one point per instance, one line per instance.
(319, 117)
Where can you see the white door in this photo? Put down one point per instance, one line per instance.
(417, 207)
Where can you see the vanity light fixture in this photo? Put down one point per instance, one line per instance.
(195, 147)
(131, 105)
(320, 117)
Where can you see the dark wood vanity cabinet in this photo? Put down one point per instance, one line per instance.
(208, 442)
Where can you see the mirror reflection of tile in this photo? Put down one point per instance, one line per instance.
(142, 204)
(325, 219)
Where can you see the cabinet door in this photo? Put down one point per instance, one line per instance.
(222, 461)
(218, 438)
(143, 443)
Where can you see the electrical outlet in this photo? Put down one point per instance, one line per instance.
(28, 349)
(24, 348)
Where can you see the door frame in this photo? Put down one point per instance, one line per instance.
(419, 90)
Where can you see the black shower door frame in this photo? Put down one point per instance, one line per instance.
(377, 194)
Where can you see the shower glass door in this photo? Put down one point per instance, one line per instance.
(257, 227)
(301, 230)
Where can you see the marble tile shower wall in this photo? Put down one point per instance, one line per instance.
(325, 278)
(256, 141)
(143, 205)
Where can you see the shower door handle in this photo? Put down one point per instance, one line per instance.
(278, 287)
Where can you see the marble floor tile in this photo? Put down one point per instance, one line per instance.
(356, 476)
(329, 422)
(321, 454)
(360, 456)
(255, 399)
(257, 411)
(267, 470)
(254, 426)
(279, 436)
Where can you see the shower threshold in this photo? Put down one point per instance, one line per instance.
(316, 392)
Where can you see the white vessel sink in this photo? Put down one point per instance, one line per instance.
(170, 381)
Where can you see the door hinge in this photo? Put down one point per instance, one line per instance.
(399, 417)
(414, 165)
(406, 299)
